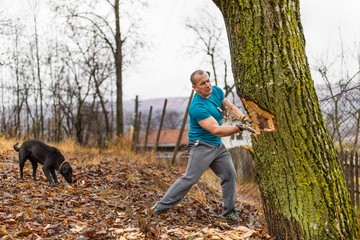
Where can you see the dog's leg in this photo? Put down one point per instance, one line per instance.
(53, 174)
(46, 170)
(22, 160)
(21, 165)
(34, 165)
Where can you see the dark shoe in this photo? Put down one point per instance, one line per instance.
(232, 216)
(155, 211)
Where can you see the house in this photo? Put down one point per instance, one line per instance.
(236, 140)
(167, 141)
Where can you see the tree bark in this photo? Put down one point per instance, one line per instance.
(300, 178)
(118, 66)
(39, 79)
(103, 106)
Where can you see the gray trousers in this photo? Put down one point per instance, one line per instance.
(201, 156)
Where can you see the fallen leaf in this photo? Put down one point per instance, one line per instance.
(248, 234)
(77, 228)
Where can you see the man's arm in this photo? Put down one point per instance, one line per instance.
(211, 125)
(232, 110)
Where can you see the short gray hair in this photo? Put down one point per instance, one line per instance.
(192, 77)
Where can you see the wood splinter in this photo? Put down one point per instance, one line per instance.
(263, 120)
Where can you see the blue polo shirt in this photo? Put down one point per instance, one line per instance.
(201, 108)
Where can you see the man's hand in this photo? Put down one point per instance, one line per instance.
(246, 120)
(243, 126)
(246, 124)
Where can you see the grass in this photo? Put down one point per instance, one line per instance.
(6, 144)
(119, 145)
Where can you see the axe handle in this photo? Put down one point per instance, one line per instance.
(246, 127)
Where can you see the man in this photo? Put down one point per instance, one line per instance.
(205, 147)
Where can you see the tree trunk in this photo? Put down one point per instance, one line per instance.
(105, 112)
(3, 117)
(118, 66)
(300, 178)
(40, 81)
(78, 124)
(17, 87)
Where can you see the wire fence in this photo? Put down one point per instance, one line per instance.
(340, 107)
(341, 112)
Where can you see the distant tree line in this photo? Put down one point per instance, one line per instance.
(63, 79)
(59, 79)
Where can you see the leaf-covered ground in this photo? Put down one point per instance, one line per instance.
(109, 199)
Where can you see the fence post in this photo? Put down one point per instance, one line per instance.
(147, 129)
(181, 130)
(137, 131)
(352, 177)
(341, 156)
(346, 165)
(160, 126)
(135, 123)
(357, 181)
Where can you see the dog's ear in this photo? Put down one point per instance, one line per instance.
(66, 168)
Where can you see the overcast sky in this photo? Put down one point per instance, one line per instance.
(166, 73)
(165, 69)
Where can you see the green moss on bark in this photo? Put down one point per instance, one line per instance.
(301, 180)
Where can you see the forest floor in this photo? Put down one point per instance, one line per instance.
(110, 199)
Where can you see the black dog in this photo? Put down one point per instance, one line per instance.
(51, 158)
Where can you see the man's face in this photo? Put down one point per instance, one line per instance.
(203, 85)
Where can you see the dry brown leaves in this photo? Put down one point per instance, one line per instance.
(111, 200)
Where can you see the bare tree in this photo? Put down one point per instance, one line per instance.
(57, 72)
(34, 5)
(210, 40)
(5, 29)
(77, 89)
(81, 72)
(116, 36)
(17, 67)
(339, 108)
(99, 69)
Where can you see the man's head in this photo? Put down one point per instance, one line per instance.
(201, 83)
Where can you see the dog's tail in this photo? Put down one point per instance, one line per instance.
(16, 147)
